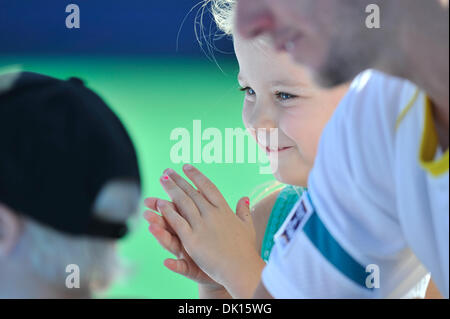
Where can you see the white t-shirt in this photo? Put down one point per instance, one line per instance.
(376, 219)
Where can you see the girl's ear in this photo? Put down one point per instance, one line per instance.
(10, 228)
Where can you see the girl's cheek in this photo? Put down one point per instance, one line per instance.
(246, 120)
(301, 131)
(245, 116)
(305, 129)
(292, 125)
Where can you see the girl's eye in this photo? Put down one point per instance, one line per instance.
(283, 96)
(248, 90)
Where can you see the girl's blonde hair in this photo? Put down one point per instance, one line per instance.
(223, 14)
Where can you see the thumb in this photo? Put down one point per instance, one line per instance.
(243, 210)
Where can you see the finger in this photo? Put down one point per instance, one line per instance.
(179, 266)
(166, 239)
(182, 201)
(243, 210)
(150, 202)
(204, 185)
(154, 218)
(175, 220)
(200, 201)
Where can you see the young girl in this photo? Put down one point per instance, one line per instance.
(278, 94)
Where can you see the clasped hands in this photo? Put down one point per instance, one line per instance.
(212, 245)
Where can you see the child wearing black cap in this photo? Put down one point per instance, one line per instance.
(69, 181)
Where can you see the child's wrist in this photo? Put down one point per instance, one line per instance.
(243, 282)
(212, 291)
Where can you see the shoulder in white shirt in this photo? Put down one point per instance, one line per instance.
(358, 189)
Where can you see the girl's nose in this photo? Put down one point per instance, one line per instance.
(263, 116)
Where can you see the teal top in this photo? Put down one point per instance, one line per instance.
(286, 199)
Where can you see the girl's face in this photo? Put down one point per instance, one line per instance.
(280, 94)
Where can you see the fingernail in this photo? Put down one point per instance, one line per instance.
(158, 206)
(168, 171)
(165, 177)
(247, 202)
(188, 167)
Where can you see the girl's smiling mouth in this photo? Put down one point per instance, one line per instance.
(277, 150)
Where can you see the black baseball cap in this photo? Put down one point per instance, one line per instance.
(59, 145)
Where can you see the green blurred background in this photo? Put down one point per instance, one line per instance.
(152, 96)
(149, 64)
